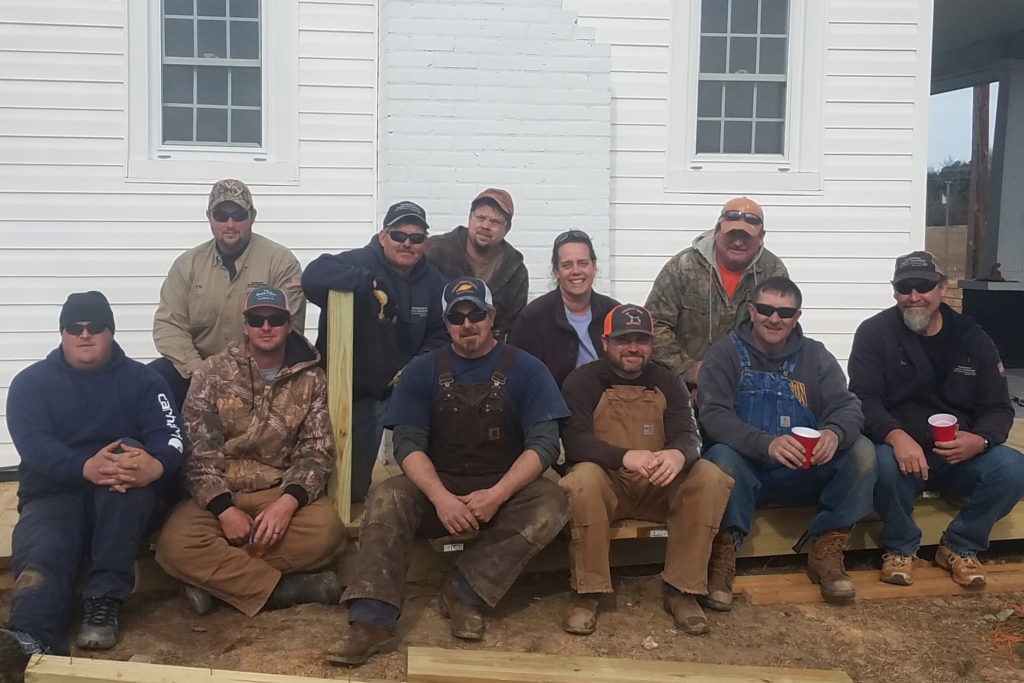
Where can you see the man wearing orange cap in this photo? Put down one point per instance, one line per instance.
(480, 250)
(700, 295)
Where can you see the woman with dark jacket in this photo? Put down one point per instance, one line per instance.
(563, 328)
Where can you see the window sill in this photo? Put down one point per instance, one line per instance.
(728, 180)
(195, 170)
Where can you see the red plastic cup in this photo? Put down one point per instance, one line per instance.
(943, 427)
(808, 438)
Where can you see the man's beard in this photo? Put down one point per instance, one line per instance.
(916, 319)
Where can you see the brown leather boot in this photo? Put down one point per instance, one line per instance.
(825, 566)
(686, 613)
(721, 572)
(359, 643)
(465, 621)
(581, 616)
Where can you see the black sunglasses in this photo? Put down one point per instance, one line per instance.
(922, 286)
(414, 237)
(222, 216)
(751, 218)
(785, 312)
(75, 329)
(275, 319)
(475, 316)
(572, 235)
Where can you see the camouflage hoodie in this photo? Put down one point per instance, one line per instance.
(247, 435)
(689, 305)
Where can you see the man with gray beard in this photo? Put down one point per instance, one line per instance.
(917, 359)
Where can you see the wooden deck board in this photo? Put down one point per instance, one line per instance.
(53, 669)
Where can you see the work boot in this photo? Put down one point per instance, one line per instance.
(581, 616)
(361, 642)
(966, 570)
(685, 611)
(296, 589)
(15, 653)
(465, 621)
(99, 623)
(898, 569)
(721, 571)
(198, 599)
(825, 566)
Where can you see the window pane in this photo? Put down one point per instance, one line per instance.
(177, 85)
(744, 16)
(713, 16)
(210, 8)
(178, 7)
(739, 100)
(178, 38)
(212, 125)
(212, 38)
(708, 140)
(737, 137)
(177, 125)
(709, 98)
(712, 55)
(742, 53)
(245, 40)
(245, 87)
(769, 138)
(771, 100)
(245, 8)
(773, 16)
(773, 56)
(211, 84)
(245, 126)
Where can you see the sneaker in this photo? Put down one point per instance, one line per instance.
(361, 642)
(199, 600)
(295, 589)
(721, 572)
(898, 569)
(99, 623)
(825, 566)
(966, 570)
(581, 616)
(15, 649)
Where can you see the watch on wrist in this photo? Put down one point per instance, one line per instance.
(986, 444)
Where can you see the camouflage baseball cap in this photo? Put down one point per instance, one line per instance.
(230, 190)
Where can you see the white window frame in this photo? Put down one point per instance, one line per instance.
(798, 169)
(275, 161)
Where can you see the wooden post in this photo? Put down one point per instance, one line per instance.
(977, 195)
(339, 398)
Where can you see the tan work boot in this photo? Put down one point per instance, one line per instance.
(966, 570)
(686, 613)
(898, 569)
(581, 616)
(825, 566)
(359, 643)
(464, 621)
(721, 572)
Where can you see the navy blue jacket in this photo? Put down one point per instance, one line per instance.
(59, 417)
(386, 337)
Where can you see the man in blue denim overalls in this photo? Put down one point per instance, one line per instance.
(756, 385)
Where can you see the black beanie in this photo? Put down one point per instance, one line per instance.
(90, 307)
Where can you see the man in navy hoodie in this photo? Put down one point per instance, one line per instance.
(98, 438)
(397, 311)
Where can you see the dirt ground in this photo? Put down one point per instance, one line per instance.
(931, 639)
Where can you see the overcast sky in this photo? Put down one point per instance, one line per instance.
(949, 126)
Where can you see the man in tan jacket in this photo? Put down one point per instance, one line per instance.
(202, 298)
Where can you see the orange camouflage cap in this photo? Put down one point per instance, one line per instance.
(742, 213)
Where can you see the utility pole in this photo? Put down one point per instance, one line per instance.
(945, 233)
(977, 195)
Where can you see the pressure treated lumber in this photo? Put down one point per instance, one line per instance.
(437, 665)
(339, 398)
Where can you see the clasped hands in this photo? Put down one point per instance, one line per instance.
(120, 467)
(660, 467)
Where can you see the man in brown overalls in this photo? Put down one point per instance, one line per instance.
(476, 423)
(633, 449)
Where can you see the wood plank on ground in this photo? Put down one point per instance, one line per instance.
(437, 665)
(929, 581)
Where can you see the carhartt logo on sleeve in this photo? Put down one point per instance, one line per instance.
(175, 441)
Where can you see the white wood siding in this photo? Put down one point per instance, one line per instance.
(68, 219)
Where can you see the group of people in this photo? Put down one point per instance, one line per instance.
(679, 412)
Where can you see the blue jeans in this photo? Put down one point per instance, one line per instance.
(51, 541)
(367, 428)
(993, 481)
(841, 488)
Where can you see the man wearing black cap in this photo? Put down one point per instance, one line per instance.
(633, 450)
(479, 249)
(99, 438)
(397, 315)
(909, 362)
(476, 423)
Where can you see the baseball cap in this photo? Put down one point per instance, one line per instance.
(268, 296)
(90, 307)
(230, 190)
(408, 211)
(916, 265)
(743, 205)
(466, 289)
(500, 197)
(628, 319)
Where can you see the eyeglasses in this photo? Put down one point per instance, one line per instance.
(572, 236)
(751, 218)
(76, 329)
(222, 216)
(275, 319)
(785, 312)
(455, 318)
(414, 237)
(922, 286)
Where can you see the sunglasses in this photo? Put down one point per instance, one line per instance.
(904, 287)
(275, 319)
(414, 237)
(751, 218)
(76, 329)
(222, 216)
(572, 236)
(785, 312)
(455, 318)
